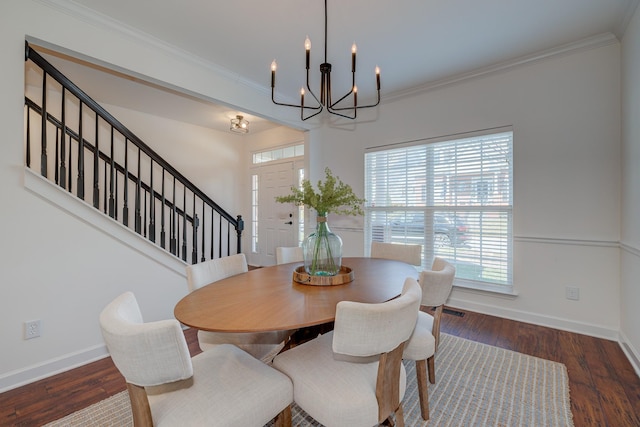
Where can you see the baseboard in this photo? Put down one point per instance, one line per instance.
(51, 367)
(632, 354)
(538, 319)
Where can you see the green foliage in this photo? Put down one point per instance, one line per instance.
(333, 196)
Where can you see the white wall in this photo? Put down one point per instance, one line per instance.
(630, 238)
(566, 117)
(55, 267)
(565, 112)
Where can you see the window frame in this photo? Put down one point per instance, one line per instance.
(487, 204)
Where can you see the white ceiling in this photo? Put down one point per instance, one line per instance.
(416, 43)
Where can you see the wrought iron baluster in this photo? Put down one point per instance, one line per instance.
(96, 169)
(43, 131)
(239, 229)
(203, 227)
(172, 242)
(55, 174)
(138, 225)
(144, 217)
(194, 234)
(152, 205)
(104, 193)
(212, 227)
(111, 180)
(125, 207)
(220, 238)
(69, 178)
(162, 233)
(80, 191)
(184, 225)
(63, 143)
(28, 155)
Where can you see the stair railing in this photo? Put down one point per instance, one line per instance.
(112, 164)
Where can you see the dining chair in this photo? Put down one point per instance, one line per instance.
(224, 386)
(262, 345)
(436, 285)
(411, 254)
(285, 255)
(354, 376)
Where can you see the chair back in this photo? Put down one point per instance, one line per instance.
(437, 283)
(146, 354)
(201, 274)
(285, 255)
(411, 254)
(363, 329)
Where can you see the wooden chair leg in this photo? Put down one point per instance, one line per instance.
(432, 369)
(139, 406)
(423, 392)
(399, 416)
(283, 419)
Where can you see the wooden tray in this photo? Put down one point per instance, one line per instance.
(345, 275)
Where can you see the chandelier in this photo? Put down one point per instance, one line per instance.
(325, 100)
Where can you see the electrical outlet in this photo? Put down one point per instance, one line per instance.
(32, 329)
(573, 293)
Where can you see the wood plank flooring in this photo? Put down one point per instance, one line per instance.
(605, 390)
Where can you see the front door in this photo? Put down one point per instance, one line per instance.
(277, 221)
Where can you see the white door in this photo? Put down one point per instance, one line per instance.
(277, 221)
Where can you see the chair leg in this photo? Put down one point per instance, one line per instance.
(283, 419)
(139, 406)
(432, 369)
(399, 416)
(423, 392)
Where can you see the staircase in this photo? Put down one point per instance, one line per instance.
(76, 144)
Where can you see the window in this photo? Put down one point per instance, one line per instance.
(454, 197)
(278, 154)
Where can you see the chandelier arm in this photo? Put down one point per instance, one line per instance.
(359, 106)
(344, 115)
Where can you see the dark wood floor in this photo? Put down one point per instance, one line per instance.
(605, 390)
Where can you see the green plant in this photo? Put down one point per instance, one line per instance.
(333, 196)
(323, 249)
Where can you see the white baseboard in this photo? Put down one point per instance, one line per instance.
(632, 353)
(51, 367)
(538, 319)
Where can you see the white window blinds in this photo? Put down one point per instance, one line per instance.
(453, 197)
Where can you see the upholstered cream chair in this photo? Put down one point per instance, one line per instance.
(436, 287)
(411, 254)
(354, 376)
(285, 255)
(224, 386)
(263, 345)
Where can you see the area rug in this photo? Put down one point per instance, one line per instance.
(477, 385)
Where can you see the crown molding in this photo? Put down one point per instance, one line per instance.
(588, 43)
(97, 19)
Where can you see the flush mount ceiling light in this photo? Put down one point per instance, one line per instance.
(239, 124)
(325, 100)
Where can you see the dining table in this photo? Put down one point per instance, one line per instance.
(268, 299)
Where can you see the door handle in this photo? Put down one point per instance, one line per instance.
(289, 223)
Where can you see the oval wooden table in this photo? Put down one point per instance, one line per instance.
(267, 299)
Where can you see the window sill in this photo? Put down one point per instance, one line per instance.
(503, 290)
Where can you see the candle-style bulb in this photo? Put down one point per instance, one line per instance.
(273, 74)
(353, 58)
(378, 77)
(307, 54)
(302, 91)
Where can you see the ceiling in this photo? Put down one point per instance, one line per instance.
(416, 43)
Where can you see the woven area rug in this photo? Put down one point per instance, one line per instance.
(477, 385)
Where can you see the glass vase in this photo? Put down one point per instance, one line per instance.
(322, 250)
